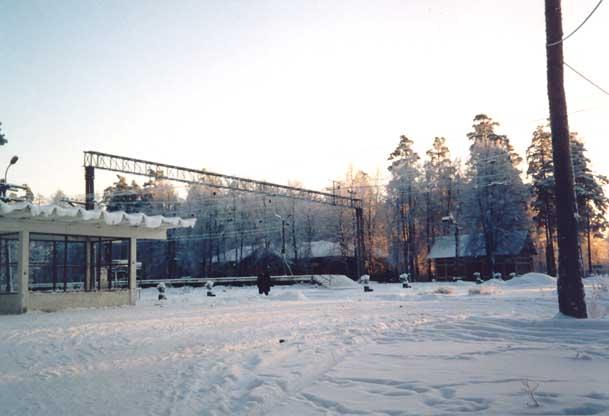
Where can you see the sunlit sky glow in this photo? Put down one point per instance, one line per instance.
(280, 90)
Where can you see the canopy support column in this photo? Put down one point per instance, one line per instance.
(132, 269)
(88, 265)
(23, 272)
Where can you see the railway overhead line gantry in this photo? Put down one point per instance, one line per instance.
(104, 161)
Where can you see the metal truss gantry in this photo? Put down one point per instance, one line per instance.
(141, 167)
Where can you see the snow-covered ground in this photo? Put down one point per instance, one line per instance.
(435, 349)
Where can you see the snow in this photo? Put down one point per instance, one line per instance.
(335, 281)
(24, 210)
(320, 248)
(532, 280)
(393, 351)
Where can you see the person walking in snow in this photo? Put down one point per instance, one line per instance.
(263, 281)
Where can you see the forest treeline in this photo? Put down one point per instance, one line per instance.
(493, 192)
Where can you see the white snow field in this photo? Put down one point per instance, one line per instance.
(465, 349)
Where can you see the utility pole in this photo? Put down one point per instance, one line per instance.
(571, 296)
(283, 237)
(89, 187)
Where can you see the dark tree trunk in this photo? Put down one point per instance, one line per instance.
(589, 245)
(428, 232)
(550, 256)
(412, 266)
(371, 263)
(571, 296)
(405, 245)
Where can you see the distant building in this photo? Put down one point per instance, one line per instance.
(316, 257)
(514, 254)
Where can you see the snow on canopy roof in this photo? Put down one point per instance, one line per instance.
(472, 245)
(26, 210)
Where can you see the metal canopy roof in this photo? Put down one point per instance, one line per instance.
(92, 222)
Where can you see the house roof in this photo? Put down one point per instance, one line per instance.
(319, 248)
(472, 245)
(54, 214)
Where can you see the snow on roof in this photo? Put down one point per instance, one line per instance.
(324, 249)
(320, 248)
(473, 245)
(26, 210)
(233, 254)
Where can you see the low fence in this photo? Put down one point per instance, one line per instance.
(236, 280)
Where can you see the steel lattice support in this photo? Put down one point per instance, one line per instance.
(140, 167)
(193, 176)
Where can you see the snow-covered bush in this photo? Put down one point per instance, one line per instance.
(161, 288)
(530, 390)
(598, 305)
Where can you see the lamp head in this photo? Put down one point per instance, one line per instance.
(14, 160)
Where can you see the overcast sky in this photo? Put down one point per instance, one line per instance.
(280, 90)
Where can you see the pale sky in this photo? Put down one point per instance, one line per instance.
(280, 90)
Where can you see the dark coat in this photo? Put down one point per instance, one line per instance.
(263, 281)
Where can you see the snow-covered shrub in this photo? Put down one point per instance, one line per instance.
(161, 288)
(364, 280)
(598, 305)
(530, 390)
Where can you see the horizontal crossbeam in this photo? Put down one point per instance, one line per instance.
(133, 166)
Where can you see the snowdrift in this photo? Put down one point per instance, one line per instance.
(335, 281)
(289, 295)
(531, 280)
(484, 290)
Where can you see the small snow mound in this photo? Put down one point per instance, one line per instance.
(482, 291)
(532, 280)
(561, 316)
(335, 281)
(442, 290)
(290, 295)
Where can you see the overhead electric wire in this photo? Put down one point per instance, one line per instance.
(218, 235)
(586, 78)
(558, 42)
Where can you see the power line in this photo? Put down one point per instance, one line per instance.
(586, 78)
(558, 42)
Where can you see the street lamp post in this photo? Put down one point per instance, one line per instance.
(5, 186)
(283, 224)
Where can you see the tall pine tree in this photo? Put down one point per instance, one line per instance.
(3, 140)
(543, 203)
(591, 200)
(495, 199)
(440, 175)
(403, 190)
